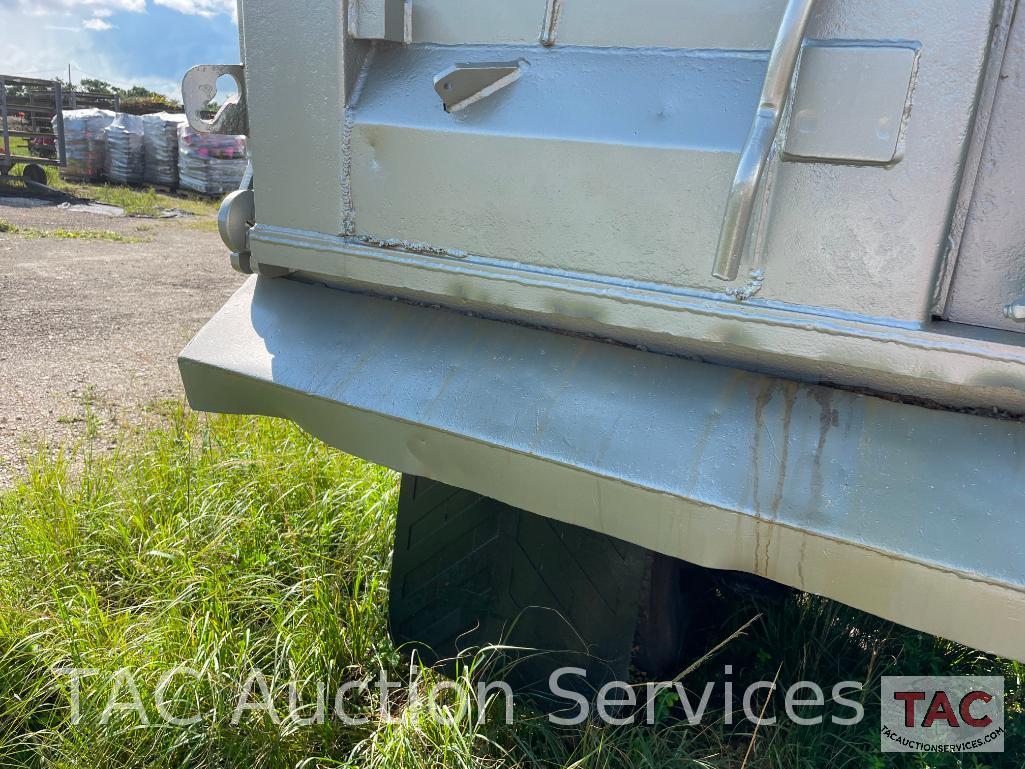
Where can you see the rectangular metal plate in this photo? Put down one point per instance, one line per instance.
(852, 102)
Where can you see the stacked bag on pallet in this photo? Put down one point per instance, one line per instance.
(125, 156)
(160, 143)
(85, 140)
(158, 149)
(212, 164)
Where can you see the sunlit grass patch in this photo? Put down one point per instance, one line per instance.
(136, 201)
(233, 544)
(203, 225)
(65, 234)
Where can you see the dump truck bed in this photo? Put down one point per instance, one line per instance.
(738, 282)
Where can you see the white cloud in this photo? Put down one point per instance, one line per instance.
(44, 7)
(206, 8)
(51, 50)
(38, 38)
(104, 8)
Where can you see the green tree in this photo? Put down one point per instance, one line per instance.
(93, 85)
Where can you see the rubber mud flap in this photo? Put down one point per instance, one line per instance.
(469, 572)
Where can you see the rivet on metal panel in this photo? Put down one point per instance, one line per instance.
(461, 85)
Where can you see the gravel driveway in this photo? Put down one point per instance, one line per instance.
(89, 329)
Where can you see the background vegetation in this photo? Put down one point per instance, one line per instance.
(135, 100)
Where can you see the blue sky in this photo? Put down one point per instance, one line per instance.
(127, 42)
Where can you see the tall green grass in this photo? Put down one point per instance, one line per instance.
(228, 544)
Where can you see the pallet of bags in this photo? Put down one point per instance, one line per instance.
(125, 157)
(212, 164)
(160, 144)
(85, 141)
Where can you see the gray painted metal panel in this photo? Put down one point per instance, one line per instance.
(727, 24)
(640, 98)
(381, 19)
(945, 362)
(826, 490)
(595, 209)
(874, 240)
(587, 196)
(527, 175)
(724, 24)
(295, 86)
(629, 182)
(991, 265)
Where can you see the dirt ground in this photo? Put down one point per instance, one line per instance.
(89, 329)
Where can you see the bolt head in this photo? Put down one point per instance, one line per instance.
(1015, 311)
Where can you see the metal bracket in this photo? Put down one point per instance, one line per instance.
(199, 87)
(235, 218)
(381, 20)
(754, 158)
(461, 85)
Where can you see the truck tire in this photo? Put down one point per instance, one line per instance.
(470, 572)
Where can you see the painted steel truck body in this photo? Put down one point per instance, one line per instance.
(738, 283)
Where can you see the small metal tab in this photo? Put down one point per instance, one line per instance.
(381, 20)
(199, 87)
(461, 85)
(242, 263)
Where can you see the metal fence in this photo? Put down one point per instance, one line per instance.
(32, 109)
